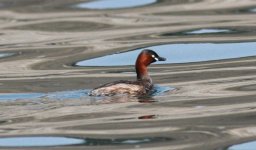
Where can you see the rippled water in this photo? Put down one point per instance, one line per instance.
(113, 4)
(68, 141)
(253, 10)
(208, 31)
(244, 146)
(74, 94)
(5, 55)
(38, 141)
(179, 53)
(53, 53)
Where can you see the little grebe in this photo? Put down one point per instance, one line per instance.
(142, 86)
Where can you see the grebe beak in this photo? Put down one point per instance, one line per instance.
(161, 58)
(158, 58)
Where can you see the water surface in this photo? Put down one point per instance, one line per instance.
(44, 96)
(208, 31)
(44, 141)
(244, 146)
(16, 96)
(253, 10)
(2, 55)
(61, 95)
(38, 141)
(179, 53)
(114, 4)
(67, 95)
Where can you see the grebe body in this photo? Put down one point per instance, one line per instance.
(141, 86)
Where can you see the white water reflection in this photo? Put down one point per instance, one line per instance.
(114, 4)
(5, 55)
(253, 10)
(38, 141)
(244, 146)
(179, 53)
(207, 31)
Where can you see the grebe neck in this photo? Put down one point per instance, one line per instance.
(142, 72)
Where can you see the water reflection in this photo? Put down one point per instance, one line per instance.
(2, 55)
(145, 100)
(202, 31)
(147, 117)
(208, 31)
(114, 4)
(16, 96)
(179, 53)
(244, 146)
(74, 94)
(38, 141)
(50, 35)
(125, 141)
(159, 90)
(253, 10)
(65, 141)
(63, 26)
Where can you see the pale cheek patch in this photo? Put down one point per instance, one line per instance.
(155, 57)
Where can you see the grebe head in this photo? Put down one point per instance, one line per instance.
(145, 58)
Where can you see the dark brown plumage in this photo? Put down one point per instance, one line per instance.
(142, 86)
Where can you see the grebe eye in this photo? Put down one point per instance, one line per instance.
(155, 57)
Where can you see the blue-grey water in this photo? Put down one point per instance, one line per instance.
(208, 31)
(253, 10)
(44, 141)
(38, 141)
(2, 55)
(179, 53)
(113, 4)
(52, 53)
(67, 95)
(244, 146)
